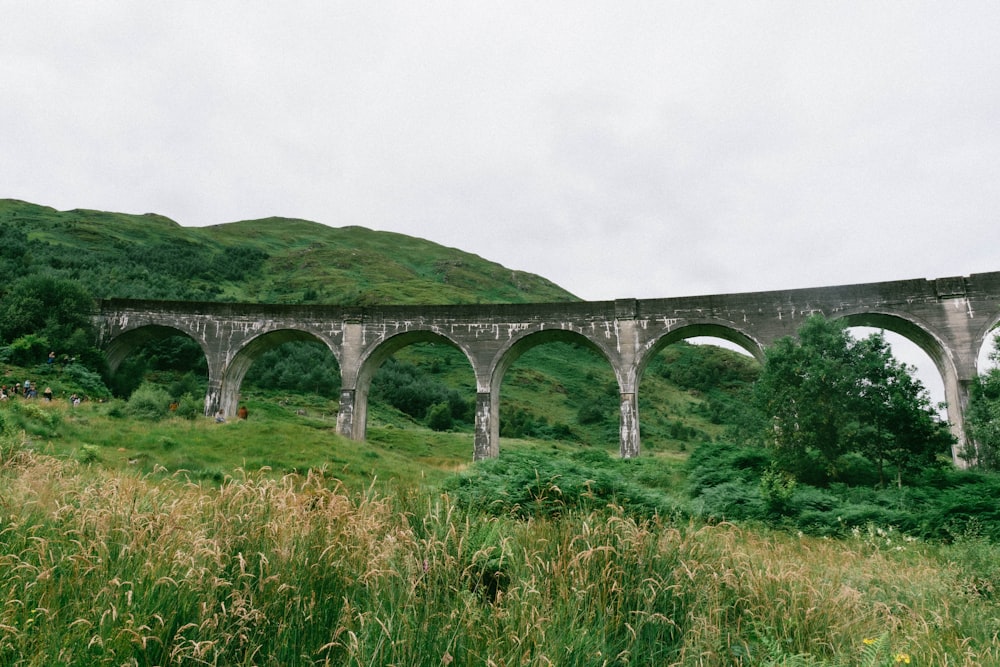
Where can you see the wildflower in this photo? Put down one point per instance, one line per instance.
(903, 658)
(868, 641)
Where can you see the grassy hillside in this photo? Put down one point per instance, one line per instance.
(274, 260)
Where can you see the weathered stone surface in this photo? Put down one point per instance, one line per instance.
(949, 318)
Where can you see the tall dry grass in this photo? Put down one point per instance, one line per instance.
(108, 568)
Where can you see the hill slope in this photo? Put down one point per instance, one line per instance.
(272, 260)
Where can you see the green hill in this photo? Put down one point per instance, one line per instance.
(273, 260)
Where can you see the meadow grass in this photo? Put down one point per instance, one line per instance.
(113, 567)
(275, 437)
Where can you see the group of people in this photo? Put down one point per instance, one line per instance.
(27, 390)
(30, 389)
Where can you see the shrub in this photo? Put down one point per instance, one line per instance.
(115, 409)
(732, 501)
(28, 350)
(190, 407)
(88, 454)
(86, 381)
(591, 413)
(776, 489)
(186, 384)
(439, 417)
(149, 402)
(970, 508)
(412, 390)
(535, 484)
(29, 416)
(712, 464)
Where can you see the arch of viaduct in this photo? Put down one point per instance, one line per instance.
(949, 318)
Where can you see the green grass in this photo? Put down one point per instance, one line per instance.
(306, 261)
(274, 437)
(291, 431)
(110, 567)
(276, 542)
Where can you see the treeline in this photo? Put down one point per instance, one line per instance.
(47, 301)
(175, 269)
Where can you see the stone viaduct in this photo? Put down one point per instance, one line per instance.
(949, 318)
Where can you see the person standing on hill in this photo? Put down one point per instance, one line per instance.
(47, 393)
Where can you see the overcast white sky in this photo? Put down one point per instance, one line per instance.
(620, 149)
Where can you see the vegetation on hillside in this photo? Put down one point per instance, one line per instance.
(803, 512)
(109, 568)
(983, 415)
(825, 395)
(274, 260)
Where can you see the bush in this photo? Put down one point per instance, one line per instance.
(28, 350)
(149, 402)
(712, 464)
(439, 417)
(186, 384)
(529, 484)
(86, 381)
(732, 501)
(970, 508)
(776, 489)
(706, 367)
(591, 413)
(856, 469)
(190, 407)
(88, 454)
(115, 409)
(734, 483)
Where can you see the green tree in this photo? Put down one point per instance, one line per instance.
(439, 417)
(27, 350)
(983, 416)
(54, 308)
(805, 388)
(826, 395)
(898, 423)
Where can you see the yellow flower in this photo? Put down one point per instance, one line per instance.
(868, 641)
(903, 658)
